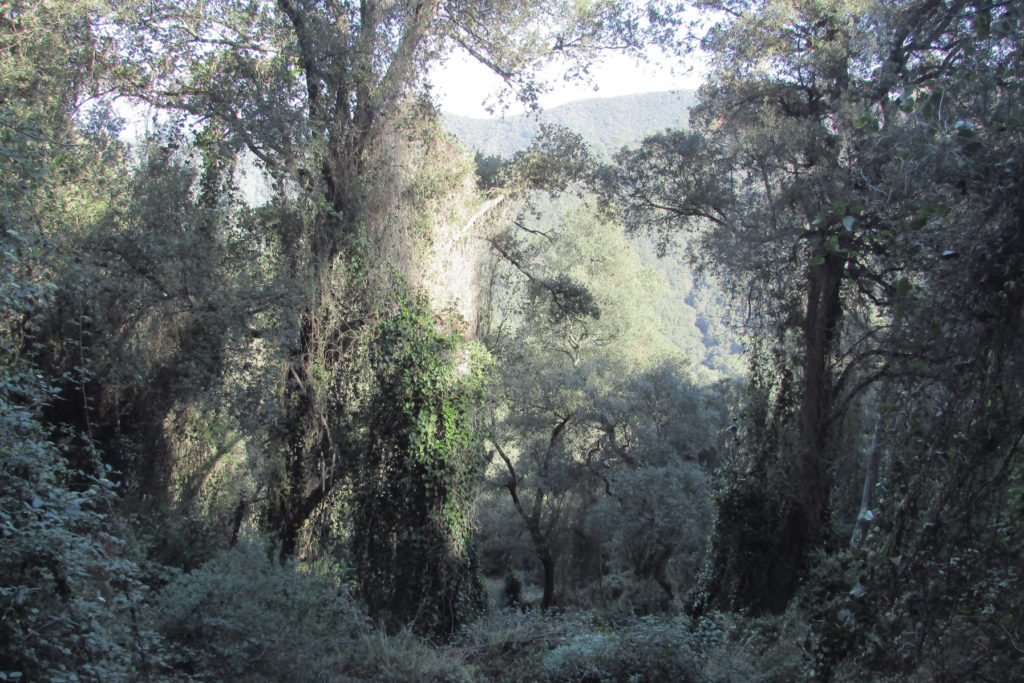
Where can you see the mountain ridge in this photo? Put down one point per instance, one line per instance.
(605, 123)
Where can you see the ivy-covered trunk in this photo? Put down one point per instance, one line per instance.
(774, 513)
(412, 544)
(287, 514)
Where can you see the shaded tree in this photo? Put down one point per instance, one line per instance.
(850, 171)
(575, 427)
(329, 98)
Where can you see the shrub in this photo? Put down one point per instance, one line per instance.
(581, 647)
(68, 594)
(646, 649)
(243, 617)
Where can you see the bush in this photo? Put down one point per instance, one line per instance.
(243, 617)
(514, 645)
(646, 649)
(68, 594)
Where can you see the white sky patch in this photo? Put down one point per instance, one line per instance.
(463, 86)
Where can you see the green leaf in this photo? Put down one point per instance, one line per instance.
(931, 105)
(902, 287)
(818, 261)
(867, 121)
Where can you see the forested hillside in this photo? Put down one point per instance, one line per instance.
(411, 412)
(692, 311)
(605, 123)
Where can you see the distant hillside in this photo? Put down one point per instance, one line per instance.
(605, 123)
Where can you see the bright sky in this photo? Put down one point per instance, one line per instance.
(462, 85)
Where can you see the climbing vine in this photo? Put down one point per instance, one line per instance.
(418, 476)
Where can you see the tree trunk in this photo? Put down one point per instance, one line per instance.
(288, 518)
(286, 515)
(774, 515)
(811, 464)
(548, 563)
(657, 568)
(860, 528)
(805, 518)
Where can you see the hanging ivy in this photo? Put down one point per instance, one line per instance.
(416, 481)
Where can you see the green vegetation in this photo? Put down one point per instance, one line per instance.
(406, 415)
(848, 170)
(417, 480)
(606, 124)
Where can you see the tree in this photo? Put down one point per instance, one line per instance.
(324, 95)
(761, 176)
(68, 592)
(951, 215)
(654, 519)
(345, 71)
(418, 477)
(575, 427)
(835, 171)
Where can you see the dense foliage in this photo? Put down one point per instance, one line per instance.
(391, 414)
(854, 169)
(416, 482)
